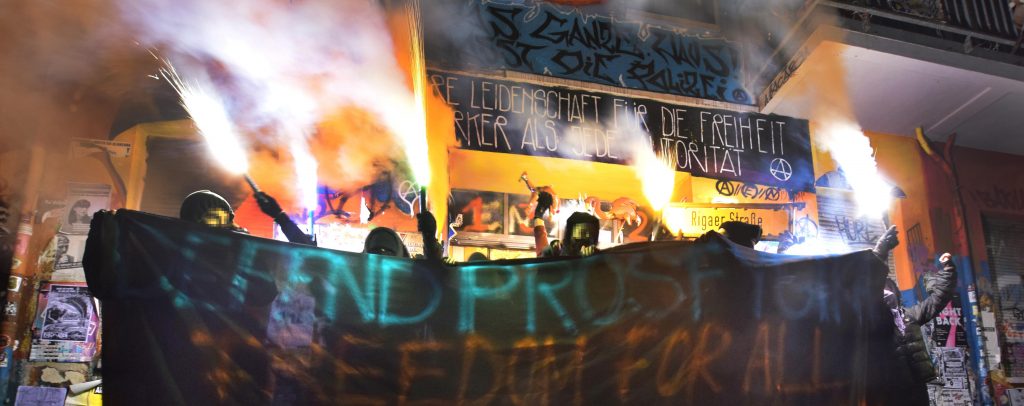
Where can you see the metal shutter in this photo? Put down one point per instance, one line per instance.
(1004, 244)
(839, 224)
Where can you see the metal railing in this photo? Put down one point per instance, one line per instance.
(990, 20)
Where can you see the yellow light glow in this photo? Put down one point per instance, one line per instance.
(657, 176)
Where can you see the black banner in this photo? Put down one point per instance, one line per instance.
(527, 119)
(200, 316)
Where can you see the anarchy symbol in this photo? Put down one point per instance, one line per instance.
(725, 188)
(781, 169)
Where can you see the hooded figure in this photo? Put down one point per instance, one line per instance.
(913, 367)
(207, 208)
(741, 233)
(581, 232)
(385, 241)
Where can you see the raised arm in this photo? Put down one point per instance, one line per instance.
(268, 205)
(940, 291)
(544, 201)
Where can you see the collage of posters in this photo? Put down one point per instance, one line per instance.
(67, 318)
(66, 324)
(953, 388)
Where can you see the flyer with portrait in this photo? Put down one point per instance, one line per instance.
(84, 200)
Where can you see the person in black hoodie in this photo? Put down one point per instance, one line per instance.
(268, 205)
(579, 239)
(913, 368)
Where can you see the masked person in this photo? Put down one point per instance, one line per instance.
(741, 233)
(209, 209)
(268, 205)
(385, 241)
(579, 239)
(913, 368)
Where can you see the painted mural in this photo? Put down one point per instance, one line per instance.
(566, 42)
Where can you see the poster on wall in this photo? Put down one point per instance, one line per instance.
(68, 250)
(519, 217)
(66, 324)
(557, 122)
(84, 200)
(482, 212)
(948, 328)
(67, 257)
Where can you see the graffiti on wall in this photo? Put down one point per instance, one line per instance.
(751, 190)
(386, 193)
(785, 73)
(998, 198)
(930, 9)
(855, 230)
(917, 249)
(566, 42)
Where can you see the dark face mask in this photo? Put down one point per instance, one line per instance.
(581, 235)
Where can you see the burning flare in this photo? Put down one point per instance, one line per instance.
(305, 171)
(851, 149)
(415, 135)
(657, 176)
(211, 118)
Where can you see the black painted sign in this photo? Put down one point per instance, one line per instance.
(527, 119)
(194, 315)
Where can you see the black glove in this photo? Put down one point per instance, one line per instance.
(544, 203)
(268, 205)
(426, 224)
(886, 243)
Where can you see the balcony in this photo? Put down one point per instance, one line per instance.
(978, 23)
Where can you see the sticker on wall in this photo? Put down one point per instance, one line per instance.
(40, 396)
(83, 147)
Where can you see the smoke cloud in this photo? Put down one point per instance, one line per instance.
(300, 79)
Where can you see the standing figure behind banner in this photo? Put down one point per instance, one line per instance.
(579, 239)
(385, 241)
(913, 369)
(741, 233)
(209, 209)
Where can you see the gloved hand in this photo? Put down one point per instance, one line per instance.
(268, 205)
(886, 243)
(426, 224)
(544, 203)
(588, 251)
